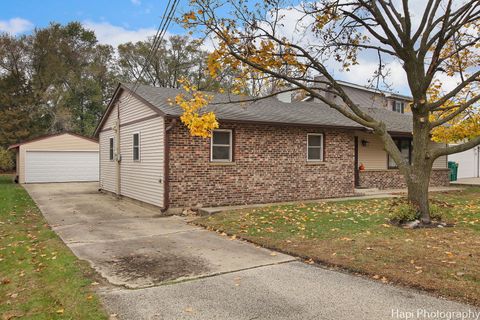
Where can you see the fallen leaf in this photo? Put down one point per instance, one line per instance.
(60, 311)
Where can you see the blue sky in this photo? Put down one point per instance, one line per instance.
(120, 21)
(130, 14)
(113, 21)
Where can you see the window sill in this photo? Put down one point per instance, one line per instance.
(315, 163)
(220, 163)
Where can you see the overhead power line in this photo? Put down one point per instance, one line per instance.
(157, 41)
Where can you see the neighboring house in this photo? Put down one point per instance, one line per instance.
(468, 163)
(266, 151)
(370, 98)
(63, 157)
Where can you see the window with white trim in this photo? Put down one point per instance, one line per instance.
(111, 146)
(398, 106)
(221, 146)
(315, 147)
(136, 146)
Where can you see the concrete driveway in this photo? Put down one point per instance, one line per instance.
(163, 268)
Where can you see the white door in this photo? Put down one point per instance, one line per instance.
(61, 166)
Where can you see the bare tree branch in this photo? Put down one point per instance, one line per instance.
(436, 153)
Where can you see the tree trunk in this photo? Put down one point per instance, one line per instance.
(421, 167)
(417, 186)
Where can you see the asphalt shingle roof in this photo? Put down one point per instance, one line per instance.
(272, 110)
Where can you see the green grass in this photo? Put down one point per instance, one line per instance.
(40, 278)
(357, 235)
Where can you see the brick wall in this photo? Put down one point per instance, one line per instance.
(269, 166)
(392, 179)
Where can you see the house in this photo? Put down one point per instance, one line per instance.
(63, 157)
(468, 163)
(379, 171)
(369, 97)
(264, 151)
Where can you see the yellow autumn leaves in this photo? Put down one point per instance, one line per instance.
(465, 125)
(200, 125)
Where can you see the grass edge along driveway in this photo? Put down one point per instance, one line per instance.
(357, 236)
(40, 278)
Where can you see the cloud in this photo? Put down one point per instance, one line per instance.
(115, 35)
(15, 26)
(136, 2)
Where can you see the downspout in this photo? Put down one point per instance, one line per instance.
(118, 156)
(166, 165)
(478, 161)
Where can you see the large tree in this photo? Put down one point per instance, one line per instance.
(57, 78)
(70, 75)
(19, 115)
(440, 39)
(178, 57)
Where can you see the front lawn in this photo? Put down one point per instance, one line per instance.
(40, 278)
(357, 236)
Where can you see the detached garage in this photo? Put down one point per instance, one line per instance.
(64, 157)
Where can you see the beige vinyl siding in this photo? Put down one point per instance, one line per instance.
(440, 163)
(365, 98)
(107, 167)
(64, 142)
(144, 179)
(374, 157)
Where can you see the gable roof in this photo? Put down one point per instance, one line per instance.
(270, 110)
(388, 94)
(47, 136)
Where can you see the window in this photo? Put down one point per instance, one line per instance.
(111, 149)
(136, 146)
(221, 146)
(315, 147)
(398, 106)
(405, 147)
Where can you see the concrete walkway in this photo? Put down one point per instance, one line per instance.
(466, 182)
(361, 194)
(163, 268)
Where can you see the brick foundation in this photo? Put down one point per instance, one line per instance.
(269, 166)
(392, 179)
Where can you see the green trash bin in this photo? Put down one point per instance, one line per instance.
(453, 166)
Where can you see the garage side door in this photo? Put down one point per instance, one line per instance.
(61, 166)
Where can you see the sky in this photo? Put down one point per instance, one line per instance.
(127, 20)
(120, 21)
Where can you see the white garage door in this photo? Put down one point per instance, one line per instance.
(61, 166)
(468, 163)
